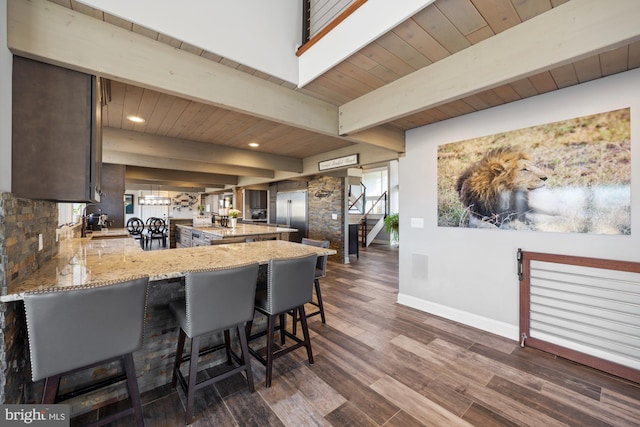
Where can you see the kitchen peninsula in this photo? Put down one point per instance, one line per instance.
(109, 257)
(112, 257)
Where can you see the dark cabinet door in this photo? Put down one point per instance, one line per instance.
(56, 133)
(257, 199)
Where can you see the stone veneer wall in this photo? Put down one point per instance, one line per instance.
(21, 221)
(326, 197)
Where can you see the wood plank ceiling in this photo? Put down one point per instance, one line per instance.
(436, 32)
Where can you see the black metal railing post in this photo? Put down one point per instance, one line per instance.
(306, 21)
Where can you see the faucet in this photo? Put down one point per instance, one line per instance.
(83, 228)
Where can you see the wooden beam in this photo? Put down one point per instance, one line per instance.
(382, 136)
(133, 159)
(141, 184)
(572, 31)
(45, 31)
(203, 179)
(117, 140)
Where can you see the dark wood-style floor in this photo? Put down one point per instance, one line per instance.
(378, 363)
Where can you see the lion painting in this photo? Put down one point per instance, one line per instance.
(495, 190)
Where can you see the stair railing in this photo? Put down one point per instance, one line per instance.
(362, 198)
(355, 202)
(366, 239)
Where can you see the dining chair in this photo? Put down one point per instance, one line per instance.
(71, 331)
(156, 230)
(135, 227)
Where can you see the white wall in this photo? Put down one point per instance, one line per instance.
(5, 103)
(469, 275)
(394, 186)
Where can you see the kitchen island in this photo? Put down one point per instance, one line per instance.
(109, 257)
(215, 234)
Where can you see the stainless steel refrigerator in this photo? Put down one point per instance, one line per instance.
(291, 210)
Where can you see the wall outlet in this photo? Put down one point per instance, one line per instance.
(334, 216)
(417, 222)
(40, 242)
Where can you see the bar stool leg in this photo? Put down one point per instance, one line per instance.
(178, 361)
(316, 282)
(227, 346)
(270, 338)
(245, 359)
(193, 372)
(305, 332)
(283, 326)
(134, 392)
(294, 319)
(51, 389)
(248, 327)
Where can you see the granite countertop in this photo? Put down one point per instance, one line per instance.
(111, 257)
(242, 229)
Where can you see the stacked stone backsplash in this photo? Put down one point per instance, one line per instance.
(21, 222)
(327, 197)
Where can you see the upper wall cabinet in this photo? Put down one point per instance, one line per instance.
(57, 133)
(257, 199)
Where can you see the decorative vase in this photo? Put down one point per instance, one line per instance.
(233, 221)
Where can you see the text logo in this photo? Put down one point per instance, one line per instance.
(35, 415)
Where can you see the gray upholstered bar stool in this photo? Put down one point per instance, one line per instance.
(215, 300)
(289, 287)
(321, 271)
(78, 329)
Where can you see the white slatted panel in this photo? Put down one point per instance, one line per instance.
(590, 310)
(324, 11)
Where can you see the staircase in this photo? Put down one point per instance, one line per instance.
(372, 223)
(369, 223)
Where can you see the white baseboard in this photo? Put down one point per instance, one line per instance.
(489, 325)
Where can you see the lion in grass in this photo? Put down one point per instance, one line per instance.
(495, 190)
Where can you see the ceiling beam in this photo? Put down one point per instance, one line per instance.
(202, 179)
(117, 140)
(564, 34)
(144, 185)
(387, 137)
(43, 30)
(367, 155)
(133, 159)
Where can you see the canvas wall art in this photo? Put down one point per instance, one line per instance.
(570, 176)
(128, 204)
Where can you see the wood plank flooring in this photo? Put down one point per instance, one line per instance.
(378, 363)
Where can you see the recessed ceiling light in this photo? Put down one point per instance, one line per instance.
(254, 144)
(135, 119)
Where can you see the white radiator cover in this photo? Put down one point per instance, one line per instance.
(590, 310)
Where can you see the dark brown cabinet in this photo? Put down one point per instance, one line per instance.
(257, 199)
(56, 133)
